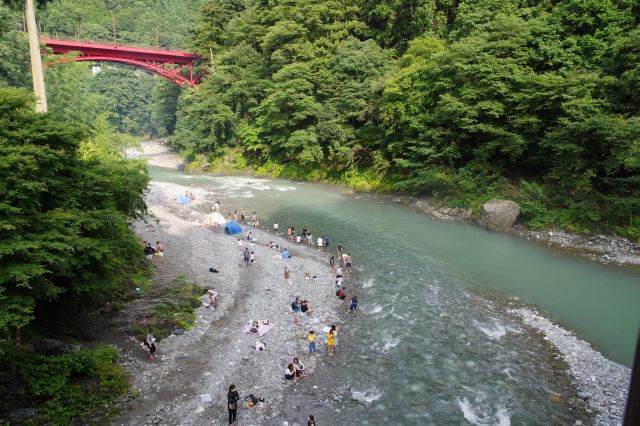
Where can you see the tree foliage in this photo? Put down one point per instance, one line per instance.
(64, 207)
(465, 100)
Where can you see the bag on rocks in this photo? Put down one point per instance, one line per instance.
(253, 400)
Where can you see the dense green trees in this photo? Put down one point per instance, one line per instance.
(64, 206)
(136, 21)
(14, 51)
(465, 100)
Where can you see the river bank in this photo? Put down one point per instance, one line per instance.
(599, 248)
(580, 364)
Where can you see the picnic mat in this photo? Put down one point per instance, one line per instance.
(262, 329)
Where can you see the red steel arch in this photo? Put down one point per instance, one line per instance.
(168, 64)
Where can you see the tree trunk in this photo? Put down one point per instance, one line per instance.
(36, 61)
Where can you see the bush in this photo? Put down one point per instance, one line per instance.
(64, 387)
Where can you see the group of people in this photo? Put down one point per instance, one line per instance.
(233, 396)
(249, 256)
(295, 370)
(301, 307)
(153, 251)
(341, 292)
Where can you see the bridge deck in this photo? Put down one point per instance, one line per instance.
(103, 50)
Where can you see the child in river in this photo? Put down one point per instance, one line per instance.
(354, 304)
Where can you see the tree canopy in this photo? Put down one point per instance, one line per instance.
(65, 202)
(467, 100)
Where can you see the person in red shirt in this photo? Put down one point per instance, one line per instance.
(342, 294)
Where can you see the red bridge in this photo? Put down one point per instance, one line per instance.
(170, 65)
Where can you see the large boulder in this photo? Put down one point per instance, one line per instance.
(498, 215)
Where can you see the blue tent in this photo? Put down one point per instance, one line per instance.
(183, 199)
(232, 228)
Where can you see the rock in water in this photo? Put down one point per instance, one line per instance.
(498, 215)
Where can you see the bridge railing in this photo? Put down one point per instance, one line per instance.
(108, 42)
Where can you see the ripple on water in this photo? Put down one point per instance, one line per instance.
(495, 330)
(366, 396)
(484, 416)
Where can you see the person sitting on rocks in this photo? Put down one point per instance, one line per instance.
(342, 294)
(149, 251)
(295, 306)
(290, 373)
(255, 325)
(212, 294)
(305, 308)
(299, 367)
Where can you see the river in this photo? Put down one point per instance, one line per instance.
(432, 342)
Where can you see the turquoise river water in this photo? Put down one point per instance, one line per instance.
(432, 340)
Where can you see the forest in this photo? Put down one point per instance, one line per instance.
(533, 101)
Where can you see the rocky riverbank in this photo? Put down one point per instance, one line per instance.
(188, 382)
(602, 383)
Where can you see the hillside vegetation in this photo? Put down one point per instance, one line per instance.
(534, 101)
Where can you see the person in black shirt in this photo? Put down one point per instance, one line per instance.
(232, 403)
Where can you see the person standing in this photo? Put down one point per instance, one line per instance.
(340, 248)
(247, 256)
(233, 396)
(332, 263)
(335, 334)
(216, 205)
(354, 304)
(253, 258)
(150, 342)
(286, 275)
(348, 261)
(331, 342)
(312, 342)
(275, 227)
(311, 421)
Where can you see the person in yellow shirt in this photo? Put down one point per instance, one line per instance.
(312, 342)
(331, 342)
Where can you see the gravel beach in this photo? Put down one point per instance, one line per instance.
(188, 383)
(602, 383)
